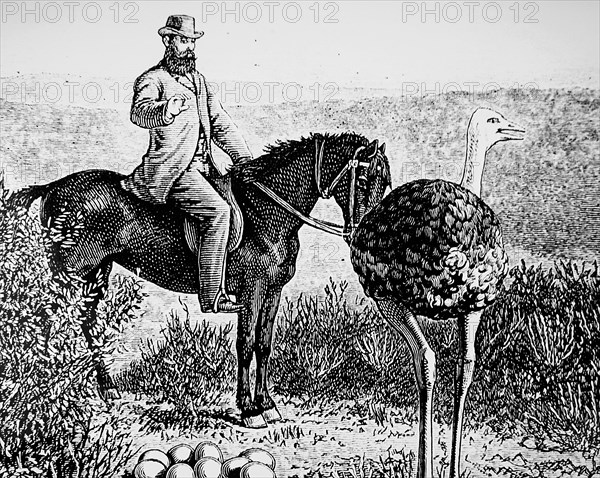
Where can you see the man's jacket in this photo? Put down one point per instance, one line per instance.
(174, 140)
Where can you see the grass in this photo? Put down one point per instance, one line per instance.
(279, 436)
(191, 366)
(328, 348)
(537, 373)
(396, 464)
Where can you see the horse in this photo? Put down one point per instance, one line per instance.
(276, 193)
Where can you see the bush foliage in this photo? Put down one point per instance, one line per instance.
(540, 355)
(48, 389)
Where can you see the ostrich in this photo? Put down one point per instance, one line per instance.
(433, 248)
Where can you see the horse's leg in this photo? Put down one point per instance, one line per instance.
(98, 283)
(252, 295)
(264, 334)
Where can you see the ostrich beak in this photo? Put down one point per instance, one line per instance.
(511, 131)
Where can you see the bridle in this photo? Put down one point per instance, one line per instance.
(325, 193)
(351, 166)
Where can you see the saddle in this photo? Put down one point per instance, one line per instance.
(236, 227)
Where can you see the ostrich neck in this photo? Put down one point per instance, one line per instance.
(474, 163)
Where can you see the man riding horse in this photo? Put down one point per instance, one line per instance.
(183, 115)
(136, 228)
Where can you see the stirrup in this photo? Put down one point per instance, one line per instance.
(224, 304)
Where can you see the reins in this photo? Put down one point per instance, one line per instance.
(328, 227)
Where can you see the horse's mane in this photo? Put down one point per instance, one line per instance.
(282, 152)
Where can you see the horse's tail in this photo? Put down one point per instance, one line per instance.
(25, 197)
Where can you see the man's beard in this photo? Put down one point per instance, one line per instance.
(179, 65)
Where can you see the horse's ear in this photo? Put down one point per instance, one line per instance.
(382, 148)
(372, 148)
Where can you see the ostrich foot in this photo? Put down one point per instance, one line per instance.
(272, 415)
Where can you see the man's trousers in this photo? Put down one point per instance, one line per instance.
(194, 194)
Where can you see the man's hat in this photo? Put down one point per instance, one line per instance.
(183, 25)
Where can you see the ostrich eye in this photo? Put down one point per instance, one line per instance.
(493, 120)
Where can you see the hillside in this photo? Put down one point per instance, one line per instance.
(546, 190)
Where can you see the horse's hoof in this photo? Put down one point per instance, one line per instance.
(254, 422)
(109, 394)
(272, 415)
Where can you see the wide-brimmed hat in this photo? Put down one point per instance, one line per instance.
(183, 25)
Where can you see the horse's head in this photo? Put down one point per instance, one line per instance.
(360, 182)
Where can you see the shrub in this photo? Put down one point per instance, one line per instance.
(327, 348)
(309, 344)
(540, 355)
(120, 306)
(190, 367)
(312, 344)
(47, 380)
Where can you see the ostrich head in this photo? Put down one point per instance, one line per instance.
(488, 127)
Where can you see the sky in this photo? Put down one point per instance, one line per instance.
(391, 44)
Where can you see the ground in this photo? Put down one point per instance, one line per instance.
(330, 440)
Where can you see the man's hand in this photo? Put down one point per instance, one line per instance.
(176, 105)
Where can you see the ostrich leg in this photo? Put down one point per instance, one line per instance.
(406, 323)
(464, 374)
